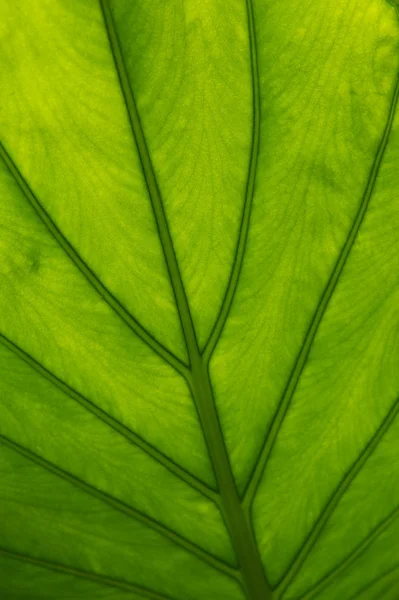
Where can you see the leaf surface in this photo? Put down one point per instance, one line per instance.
(199, 300)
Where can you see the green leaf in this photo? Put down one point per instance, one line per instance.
(199, 300)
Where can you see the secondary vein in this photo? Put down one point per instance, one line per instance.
(335, 498)
(302, 357)
(88, 273)
(377, 580)
(239, 527)
(333, 574)
(96, 578)
(116, 425)
(150, 180)
(246, 215)
(124, 508)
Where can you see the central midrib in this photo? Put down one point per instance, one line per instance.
(198, 379)
(236, 519)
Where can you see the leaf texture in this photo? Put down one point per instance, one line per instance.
(199, 300)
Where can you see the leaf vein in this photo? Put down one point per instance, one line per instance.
(88, 273)
(376, 580)
(124, 508)
(96, 578)
(235, 272)
(116, 425)
(292, 383)
(352, 556)
(240, 530)
(150, 180)
(331, 505)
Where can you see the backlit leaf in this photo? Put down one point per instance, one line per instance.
(199, 300)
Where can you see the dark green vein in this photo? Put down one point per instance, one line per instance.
(131, 437)
(388, 588)
(372, 583)
(246, 215)
(94, 577)
(124, 508)
(334, 500)
(88, 273)
(334, 573)
(239, 527)
(150, 179)
(300, 363)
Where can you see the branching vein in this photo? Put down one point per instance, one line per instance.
(124, 508)
(88, 273)
(151, 182)
(132, 437)
(335, 498)
(320, 311)
(90, 576)
(246, 215)
(375, 581)
(334, 573)
(236, 512)
(243, 542)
